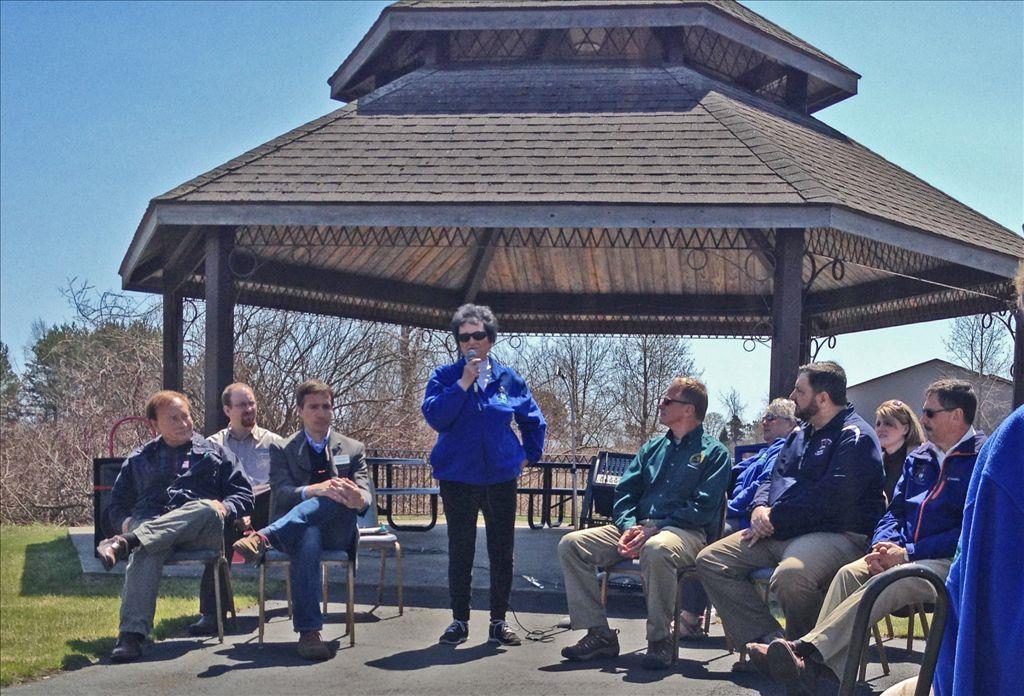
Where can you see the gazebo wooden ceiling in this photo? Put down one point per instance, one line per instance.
(601, 167)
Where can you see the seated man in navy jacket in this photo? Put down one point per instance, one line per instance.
(810, 519)
(175, 492)
(922, 525)
(319, 484)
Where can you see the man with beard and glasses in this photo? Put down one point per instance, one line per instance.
(809, 520)
(251, 444)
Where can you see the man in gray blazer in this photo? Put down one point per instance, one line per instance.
(319, 483)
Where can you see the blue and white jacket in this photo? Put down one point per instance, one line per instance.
(927, 509)
(475, 441)
(758, 469)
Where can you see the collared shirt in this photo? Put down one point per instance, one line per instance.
(253, 451)
(484, 375)
(679, 483)
(318, 446)
(971, 432)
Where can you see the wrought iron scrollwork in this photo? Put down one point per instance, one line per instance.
(817, 344)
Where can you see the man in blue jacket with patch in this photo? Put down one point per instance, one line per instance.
(809, 520)
(922, 525)
(175, 492)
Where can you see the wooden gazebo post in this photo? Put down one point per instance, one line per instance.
(787, 311)
(174, 357)
(220, 330)
(1018, 357)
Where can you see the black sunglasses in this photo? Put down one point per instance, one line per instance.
(476, 336)
(665, 401)
(930, 412)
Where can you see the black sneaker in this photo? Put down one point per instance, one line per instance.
(502, 634)
(659, 654)
(597, 643)
(457, 632)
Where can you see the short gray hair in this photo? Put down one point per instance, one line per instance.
(478, 313)
(782, 408)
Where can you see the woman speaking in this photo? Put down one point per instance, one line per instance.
(477, 461)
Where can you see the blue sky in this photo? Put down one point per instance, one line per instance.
(105, 105)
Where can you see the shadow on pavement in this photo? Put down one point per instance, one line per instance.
(433, 655)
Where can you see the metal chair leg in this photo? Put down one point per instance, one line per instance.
(910, 631)
(888, 627)
(881, 650)
(231, 588)
(604, 588)
(924, 618)
(262, 599)
(323, 572)
(217, 599)
(398, 578)
(351, 603)
(288, 589)
(380, 583)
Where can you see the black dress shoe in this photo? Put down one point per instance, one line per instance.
(206, 626)
(128, 647)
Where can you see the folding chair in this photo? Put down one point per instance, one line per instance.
(631, 566)
(345, 558)
(206, 557)
(372, 535)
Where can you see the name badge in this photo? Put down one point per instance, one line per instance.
(341, 460)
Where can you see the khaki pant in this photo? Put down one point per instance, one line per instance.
(192, 527)
(582, 552)
(804, 567)
(831, 635)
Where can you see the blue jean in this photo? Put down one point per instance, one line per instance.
(303, 533)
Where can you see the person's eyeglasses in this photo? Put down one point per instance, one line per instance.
(930, 412)
(769, 418)
(665, 401)
(476, 336)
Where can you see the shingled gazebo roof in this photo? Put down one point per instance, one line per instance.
(580, 166)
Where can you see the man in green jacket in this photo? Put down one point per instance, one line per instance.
(666, 504)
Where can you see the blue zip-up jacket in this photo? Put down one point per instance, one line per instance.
(827, 480)
(758, 469)
(927, 509)
(144, 488)
(475, 441)
(982, 648)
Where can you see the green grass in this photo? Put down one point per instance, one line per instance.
(53, 618)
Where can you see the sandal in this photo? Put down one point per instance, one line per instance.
(687, 631)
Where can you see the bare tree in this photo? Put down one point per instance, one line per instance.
(734, 407)
(643, 368)
(980, 345)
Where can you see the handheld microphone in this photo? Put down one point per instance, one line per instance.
(471, 355)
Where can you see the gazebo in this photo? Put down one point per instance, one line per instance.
(588, 166)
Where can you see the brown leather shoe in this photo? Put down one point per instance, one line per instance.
(794, 672)
(251, 548)
(312, 647)
(128, 647)
(757, 654)
(112, 550)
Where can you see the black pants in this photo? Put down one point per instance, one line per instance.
(207, 598)
(462, 503)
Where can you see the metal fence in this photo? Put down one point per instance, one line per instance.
(420, 477)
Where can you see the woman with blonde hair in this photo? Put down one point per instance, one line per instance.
(899, 432)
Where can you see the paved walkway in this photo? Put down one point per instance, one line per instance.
(399, 654)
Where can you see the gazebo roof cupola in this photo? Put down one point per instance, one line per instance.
(720, 38)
